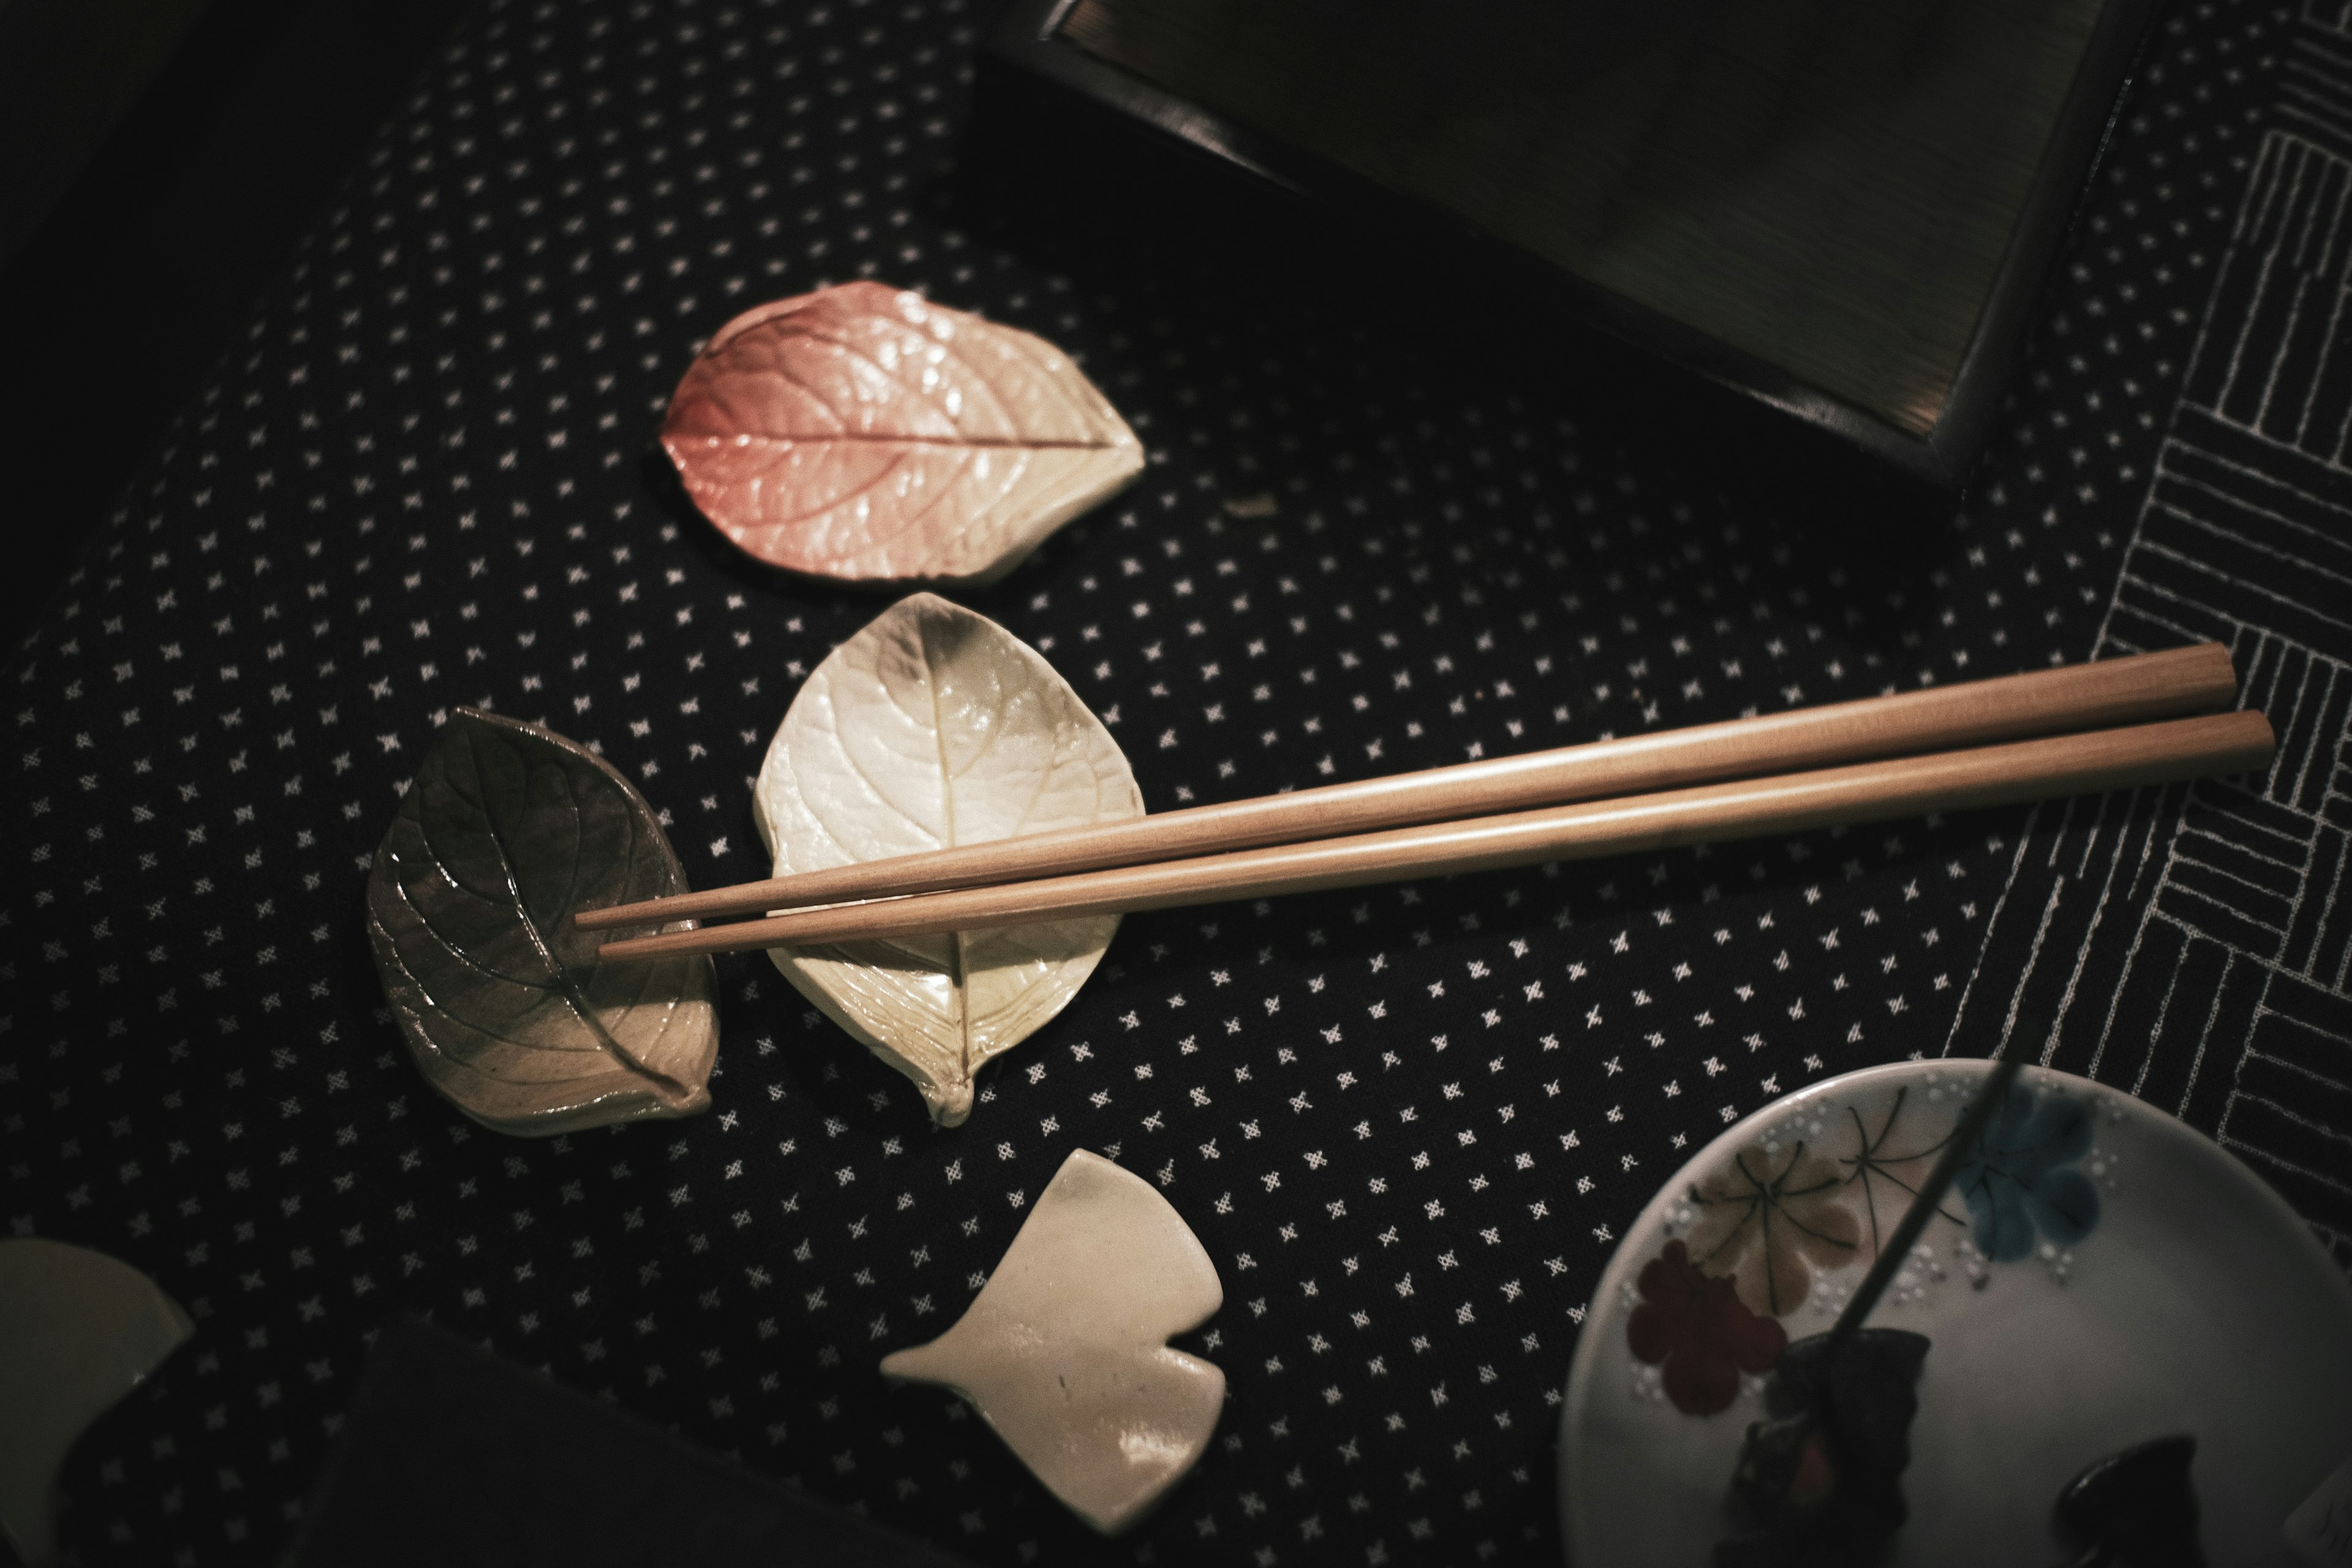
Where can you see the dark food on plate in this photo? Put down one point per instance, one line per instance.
(1820, 1481)
(2134, 1509)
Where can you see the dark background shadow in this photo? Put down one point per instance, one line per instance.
(117, 307)
(1070, 187)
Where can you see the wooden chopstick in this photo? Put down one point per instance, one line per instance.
(1952, 781)
(2131, 690)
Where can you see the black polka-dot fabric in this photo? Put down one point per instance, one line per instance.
(1409, 1123)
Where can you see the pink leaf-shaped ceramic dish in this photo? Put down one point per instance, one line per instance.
(865, 434)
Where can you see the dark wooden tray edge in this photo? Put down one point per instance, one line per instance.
(1026, 41)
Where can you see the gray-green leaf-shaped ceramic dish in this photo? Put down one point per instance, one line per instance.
(507, 830)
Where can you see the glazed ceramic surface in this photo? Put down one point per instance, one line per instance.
(865, 434)
(935, 727)
(1064, 1350)
(506, 1005)
(79, 1330)
(2099, 1276)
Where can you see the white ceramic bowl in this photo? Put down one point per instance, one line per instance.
(2195, 1301)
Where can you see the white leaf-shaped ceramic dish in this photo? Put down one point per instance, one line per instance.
(935, 727)
(507, 830)
(1065, 1350)
(863, 433)
(79, 1330)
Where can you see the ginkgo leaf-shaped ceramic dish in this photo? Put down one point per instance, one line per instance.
(935, 727)
(507, 830)
(865, 434)
(1064, 1352)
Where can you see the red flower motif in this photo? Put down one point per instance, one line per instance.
(1700, 1329)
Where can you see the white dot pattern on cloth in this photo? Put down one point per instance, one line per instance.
(1409, 1123)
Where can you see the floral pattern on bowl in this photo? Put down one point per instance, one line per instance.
(2021, 1184)
(1792, 1219)
(1698, 1332)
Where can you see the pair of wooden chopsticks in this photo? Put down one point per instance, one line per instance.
(2116, 725)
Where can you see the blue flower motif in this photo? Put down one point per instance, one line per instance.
(2020, 1181)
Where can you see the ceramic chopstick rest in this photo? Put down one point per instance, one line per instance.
(79, 1330)
(863, 433)
(1064, 1352)
(930, 728)
(506, 829)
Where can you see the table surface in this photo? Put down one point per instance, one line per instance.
(1410, 1122)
